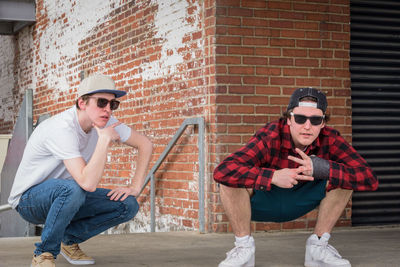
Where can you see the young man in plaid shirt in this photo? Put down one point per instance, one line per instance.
(288, 168)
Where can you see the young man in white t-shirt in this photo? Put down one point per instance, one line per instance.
(63, 163)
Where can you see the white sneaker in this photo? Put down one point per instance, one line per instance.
(242, 255)
(320, 254)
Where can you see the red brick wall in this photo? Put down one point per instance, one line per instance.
(156, 105)
(161, 53)
(232, 62)
(266, 49)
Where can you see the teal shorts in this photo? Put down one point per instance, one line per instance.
(287, 204)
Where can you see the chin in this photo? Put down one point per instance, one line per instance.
(306, 143)
(101, 124)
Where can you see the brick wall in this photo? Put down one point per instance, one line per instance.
(159, 52)
(7, 81)
(265, 49)
(156, 53)
(232, 62)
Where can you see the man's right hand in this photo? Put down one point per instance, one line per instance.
(108, 132)
(287, 178)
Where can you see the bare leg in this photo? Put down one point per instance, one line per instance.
(330, 209)
(236, 202)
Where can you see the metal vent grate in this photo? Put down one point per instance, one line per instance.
(375, 78)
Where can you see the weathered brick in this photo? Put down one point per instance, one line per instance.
(232, 62)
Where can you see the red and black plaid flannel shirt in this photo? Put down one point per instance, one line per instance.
(253, 165)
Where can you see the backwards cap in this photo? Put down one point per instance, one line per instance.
(300, 93)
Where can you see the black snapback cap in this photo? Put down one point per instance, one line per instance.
(300, 93)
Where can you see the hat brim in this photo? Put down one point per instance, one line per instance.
(117, 93)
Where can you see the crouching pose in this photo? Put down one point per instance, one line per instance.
(288, 168)
(62, 165)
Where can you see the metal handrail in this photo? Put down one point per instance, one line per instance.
(150, 176)
(5, 207)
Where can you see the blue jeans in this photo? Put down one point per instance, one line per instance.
(71, 214)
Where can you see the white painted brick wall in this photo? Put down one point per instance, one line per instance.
(45, 60)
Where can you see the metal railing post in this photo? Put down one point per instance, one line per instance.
(152, 204)
(201, 175)
(172, 142)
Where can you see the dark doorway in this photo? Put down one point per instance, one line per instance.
(375, 86)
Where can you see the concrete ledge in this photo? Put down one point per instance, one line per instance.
(378, 246)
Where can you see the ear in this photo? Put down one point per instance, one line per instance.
(82, 104)
(288, 121)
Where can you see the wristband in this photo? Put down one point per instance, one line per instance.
(321, 168)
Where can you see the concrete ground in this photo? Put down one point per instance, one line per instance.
(366, 246)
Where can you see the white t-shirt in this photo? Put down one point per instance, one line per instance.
(54, 140)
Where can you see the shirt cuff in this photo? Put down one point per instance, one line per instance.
(263, 181)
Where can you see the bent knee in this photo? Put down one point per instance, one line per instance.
(234, 191)
(341, 191)
(338, 195)
(74, 192)
(131, 207)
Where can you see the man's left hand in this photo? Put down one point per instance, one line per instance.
(305, 161)
(121, 193)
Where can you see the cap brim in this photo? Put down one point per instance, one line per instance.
(117, 93)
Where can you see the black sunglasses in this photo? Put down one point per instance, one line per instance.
(301, 119)
(103, 102)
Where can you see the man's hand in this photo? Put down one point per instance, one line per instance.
(287, 178)
(108, 132)
(305, 161)
(121, 193)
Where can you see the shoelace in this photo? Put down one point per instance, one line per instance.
(236, 251)
(76, 251)
(328, 248)
(42, 257)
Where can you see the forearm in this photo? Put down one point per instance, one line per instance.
(357, 178)
(144, 155)
(237, 174)
(349, 170)
(93, 171)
